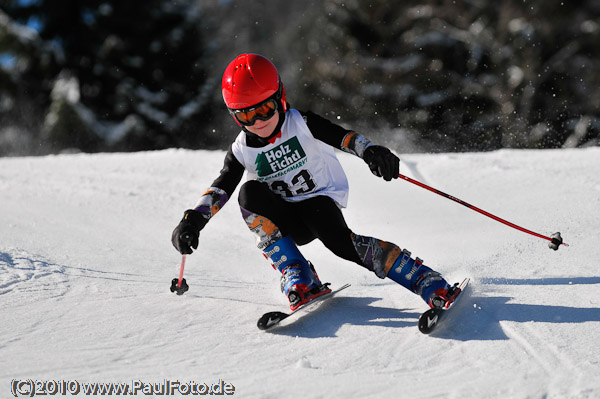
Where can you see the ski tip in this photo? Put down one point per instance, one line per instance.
(428, 320)
(268, 320)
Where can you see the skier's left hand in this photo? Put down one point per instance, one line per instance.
(382, 162)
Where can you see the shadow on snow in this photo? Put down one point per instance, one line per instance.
(474, 317)
(326, 319)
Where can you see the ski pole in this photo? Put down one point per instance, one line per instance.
(181, 270)
(555, 239)
(179, 285)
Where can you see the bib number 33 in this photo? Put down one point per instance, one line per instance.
(302, 183)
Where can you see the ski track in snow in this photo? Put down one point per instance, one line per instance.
(86, 262)
(560, 370)
(26, 279)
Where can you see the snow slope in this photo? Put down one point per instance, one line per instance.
(86, 263)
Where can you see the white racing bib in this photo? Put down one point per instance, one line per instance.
(296, 166)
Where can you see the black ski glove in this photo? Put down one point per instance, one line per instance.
(382, 162)
(186, 234)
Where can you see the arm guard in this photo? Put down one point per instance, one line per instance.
(355, 143)
(211, 202)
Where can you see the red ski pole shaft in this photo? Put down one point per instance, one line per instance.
(178, 285)
(506, 222)
(181, 270)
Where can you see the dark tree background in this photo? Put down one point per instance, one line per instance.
(106, 74)
(110, 75)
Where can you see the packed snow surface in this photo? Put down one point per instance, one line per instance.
(86, 263)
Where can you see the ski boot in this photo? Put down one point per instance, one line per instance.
(297, 291)
(420, 279)
(299, 281)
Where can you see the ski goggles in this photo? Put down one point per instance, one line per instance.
(263, 111)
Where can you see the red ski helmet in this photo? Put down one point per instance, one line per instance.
(249, 80)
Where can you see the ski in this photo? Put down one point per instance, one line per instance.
(271, 319)
(431, 318)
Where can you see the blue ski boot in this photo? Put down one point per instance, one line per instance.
(422, 280)
(299, 281)
(386, 259)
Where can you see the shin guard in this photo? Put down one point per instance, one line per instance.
(388, 260)
(299, 282)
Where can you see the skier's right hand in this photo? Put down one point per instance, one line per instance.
(186, 234)
(382, 162)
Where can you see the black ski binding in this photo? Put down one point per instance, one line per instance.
(271, 319)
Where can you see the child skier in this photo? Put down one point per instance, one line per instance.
(295, 188)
